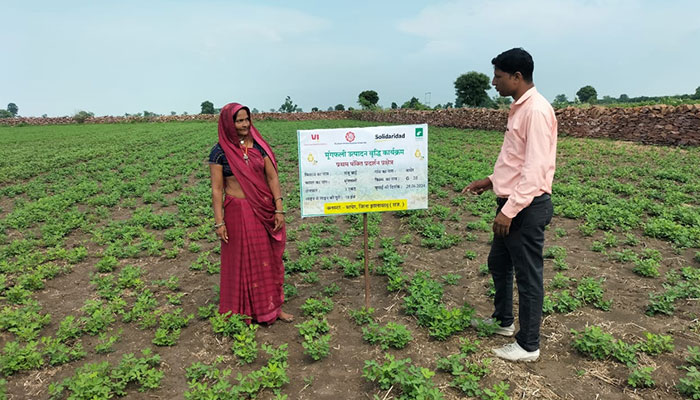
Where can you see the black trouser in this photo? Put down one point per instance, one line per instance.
(521, 251)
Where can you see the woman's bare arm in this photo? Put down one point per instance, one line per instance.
(274, 183)
(217, 199)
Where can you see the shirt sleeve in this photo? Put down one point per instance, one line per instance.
(216, 155)
(260, 149)
(537, 162)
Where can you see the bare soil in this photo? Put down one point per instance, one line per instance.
(560, 373)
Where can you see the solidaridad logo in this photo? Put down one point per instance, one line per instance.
(350, 136)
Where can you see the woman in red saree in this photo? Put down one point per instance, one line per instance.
(248, 218)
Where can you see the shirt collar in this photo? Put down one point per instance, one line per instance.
(525, 96)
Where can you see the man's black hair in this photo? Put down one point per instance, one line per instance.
(515, 60)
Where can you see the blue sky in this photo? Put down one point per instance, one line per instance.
(119, 57)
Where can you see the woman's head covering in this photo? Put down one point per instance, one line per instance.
(228, 135)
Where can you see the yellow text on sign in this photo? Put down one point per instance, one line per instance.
(365, 206)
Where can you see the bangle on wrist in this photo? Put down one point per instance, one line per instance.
(280, 212)
(279, 198)
(217, 226)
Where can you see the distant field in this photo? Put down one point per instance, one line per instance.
(107, 250)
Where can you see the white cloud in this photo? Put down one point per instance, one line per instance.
(181, 26)
(130, 55)
(463, 21)
(254, 23)
(618, 46)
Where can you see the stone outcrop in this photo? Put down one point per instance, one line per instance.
(658, 124)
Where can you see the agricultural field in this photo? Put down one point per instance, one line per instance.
(109, 276)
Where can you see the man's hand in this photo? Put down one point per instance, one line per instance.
(478, 187)
(501, 225)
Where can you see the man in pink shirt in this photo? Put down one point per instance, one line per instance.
(522, 180)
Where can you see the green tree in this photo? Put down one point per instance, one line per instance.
(501, 102)
(368, 99)
(289, 106)
(415, 104)
(625, 98)
(561, 100)
(339, 107)
(607, 100)
(696, 96)
(587, 94)
(5, 114)
(394, 106)
(12, 108)
(82, 116)
(471, 88)
(314, 109)
(207, 107)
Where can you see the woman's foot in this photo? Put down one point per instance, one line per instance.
(284, 317)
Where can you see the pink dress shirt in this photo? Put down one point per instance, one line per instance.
(525, 165)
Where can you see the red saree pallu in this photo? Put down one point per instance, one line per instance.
(252, 272)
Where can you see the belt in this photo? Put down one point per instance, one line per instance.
(543, 197)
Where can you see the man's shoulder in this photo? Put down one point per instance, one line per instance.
(538, 103)
(537, 97)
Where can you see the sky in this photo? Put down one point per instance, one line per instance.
(117, 57)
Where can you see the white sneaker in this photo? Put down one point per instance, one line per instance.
(502, 330)
(513, 352)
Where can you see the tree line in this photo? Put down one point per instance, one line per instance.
(588, 95)
(470, 91)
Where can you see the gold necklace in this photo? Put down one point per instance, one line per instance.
(245, 151)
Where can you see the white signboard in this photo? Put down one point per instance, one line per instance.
(358, 170)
